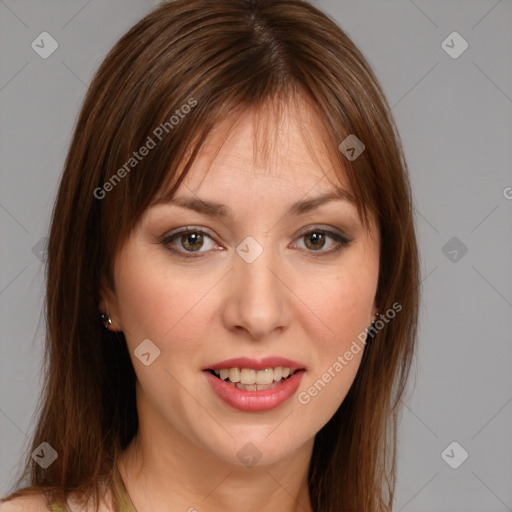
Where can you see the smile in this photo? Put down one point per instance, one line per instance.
(254, 397)
(254, 380)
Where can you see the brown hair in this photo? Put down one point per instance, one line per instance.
(218, 58)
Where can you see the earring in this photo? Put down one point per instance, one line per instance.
(106, 321)
(372, 330)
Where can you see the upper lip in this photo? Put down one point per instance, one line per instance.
(257, 364)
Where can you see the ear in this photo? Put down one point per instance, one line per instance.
(108, 304)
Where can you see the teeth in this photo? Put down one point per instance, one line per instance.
(248, 376)
(254, 387)
(265, 376)
(234, 374)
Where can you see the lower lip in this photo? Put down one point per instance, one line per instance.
(255, 401)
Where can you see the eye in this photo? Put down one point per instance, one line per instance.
(322, 242)
(189, 240)
(193, 242)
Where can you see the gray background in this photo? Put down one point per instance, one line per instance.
(455, 120)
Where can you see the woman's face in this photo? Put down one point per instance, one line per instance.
(273, 266)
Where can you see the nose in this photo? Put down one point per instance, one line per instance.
(257, 301)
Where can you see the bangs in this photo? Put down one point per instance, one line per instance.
(212, 129)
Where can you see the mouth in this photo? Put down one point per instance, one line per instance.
(257, 389)
(249, 379)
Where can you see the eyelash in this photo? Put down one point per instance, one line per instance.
(341, 242)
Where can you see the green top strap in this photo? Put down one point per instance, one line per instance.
(55, 507)
(125, 503)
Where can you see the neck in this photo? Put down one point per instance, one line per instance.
(179, 475)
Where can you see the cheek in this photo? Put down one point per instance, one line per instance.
(349, 308)
(161, 304)
(336, 350)
(343, 307)
(344, 304)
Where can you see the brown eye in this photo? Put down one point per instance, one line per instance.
(321, 242)
(314, 240)
(192, 241)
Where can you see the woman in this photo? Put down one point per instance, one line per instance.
(232, 274)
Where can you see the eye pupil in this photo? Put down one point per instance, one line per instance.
(315, 241)
(192, 241)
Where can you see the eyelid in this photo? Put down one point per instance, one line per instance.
(199, 229)
(188, 229)
(324, 228)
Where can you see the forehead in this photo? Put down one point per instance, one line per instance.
(284, 147)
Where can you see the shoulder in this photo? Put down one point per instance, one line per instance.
(39, 503)
(36, 503)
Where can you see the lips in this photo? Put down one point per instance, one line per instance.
(254, 401)
(255, 364)
(255, 398)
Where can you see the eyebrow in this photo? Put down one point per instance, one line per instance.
(214, 209)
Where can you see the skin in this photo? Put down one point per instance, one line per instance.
(202, 310)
